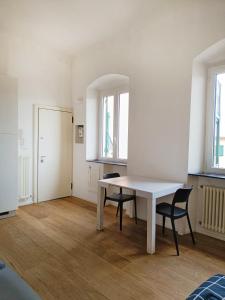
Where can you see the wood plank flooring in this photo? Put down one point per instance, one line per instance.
(55, 247)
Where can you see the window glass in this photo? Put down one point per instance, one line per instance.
(219, 122)
(123, 124)
(108, 119)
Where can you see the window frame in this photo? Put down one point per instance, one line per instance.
(210, 120)
(116, 93)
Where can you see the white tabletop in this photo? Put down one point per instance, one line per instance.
(157, 188)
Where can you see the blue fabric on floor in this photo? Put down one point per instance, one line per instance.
(13, 287)
(212, 289)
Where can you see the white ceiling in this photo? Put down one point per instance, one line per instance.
(68, 25)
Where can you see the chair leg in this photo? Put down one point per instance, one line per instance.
(121, 215)
(163, 227)
(175, 236)
(192, 235)
(135, 210)
(104, 202)
(118, 206)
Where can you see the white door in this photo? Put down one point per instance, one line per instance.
(54, 154)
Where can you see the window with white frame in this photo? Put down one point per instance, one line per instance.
(215, 134)
(113, 134)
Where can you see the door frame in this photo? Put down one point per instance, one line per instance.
(36, 109)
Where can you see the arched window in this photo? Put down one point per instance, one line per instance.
(207, 119)
(107, 115)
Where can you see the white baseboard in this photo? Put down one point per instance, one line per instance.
(26, 201)
(8, 214)
(215, 235)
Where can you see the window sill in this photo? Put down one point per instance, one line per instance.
(208, 175)
(105, 162)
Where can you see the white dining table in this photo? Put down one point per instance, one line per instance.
(148, 188)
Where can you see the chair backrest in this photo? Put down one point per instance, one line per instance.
(111, 175)
(182, 196)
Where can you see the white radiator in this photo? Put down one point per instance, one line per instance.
(213, 217)
(24, 168)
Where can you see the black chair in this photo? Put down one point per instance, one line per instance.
(173, 212)
(120, 198)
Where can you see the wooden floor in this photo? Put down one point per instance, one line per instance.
(54, 246)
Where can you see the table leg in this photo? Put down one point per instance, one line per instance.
(100, 208)
(131, 207)
(151, 225)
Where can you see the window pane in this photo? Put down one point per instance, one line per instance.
(123, 125)
(219, 122)
(108, 112)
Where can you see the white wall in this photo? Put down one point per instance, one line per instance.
(200, 123)
(157, 54)
(197, 118)
(92, 115)
(44, 77)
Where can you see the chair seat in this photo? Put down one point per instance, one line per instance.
(118, 198)
(165, 209)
